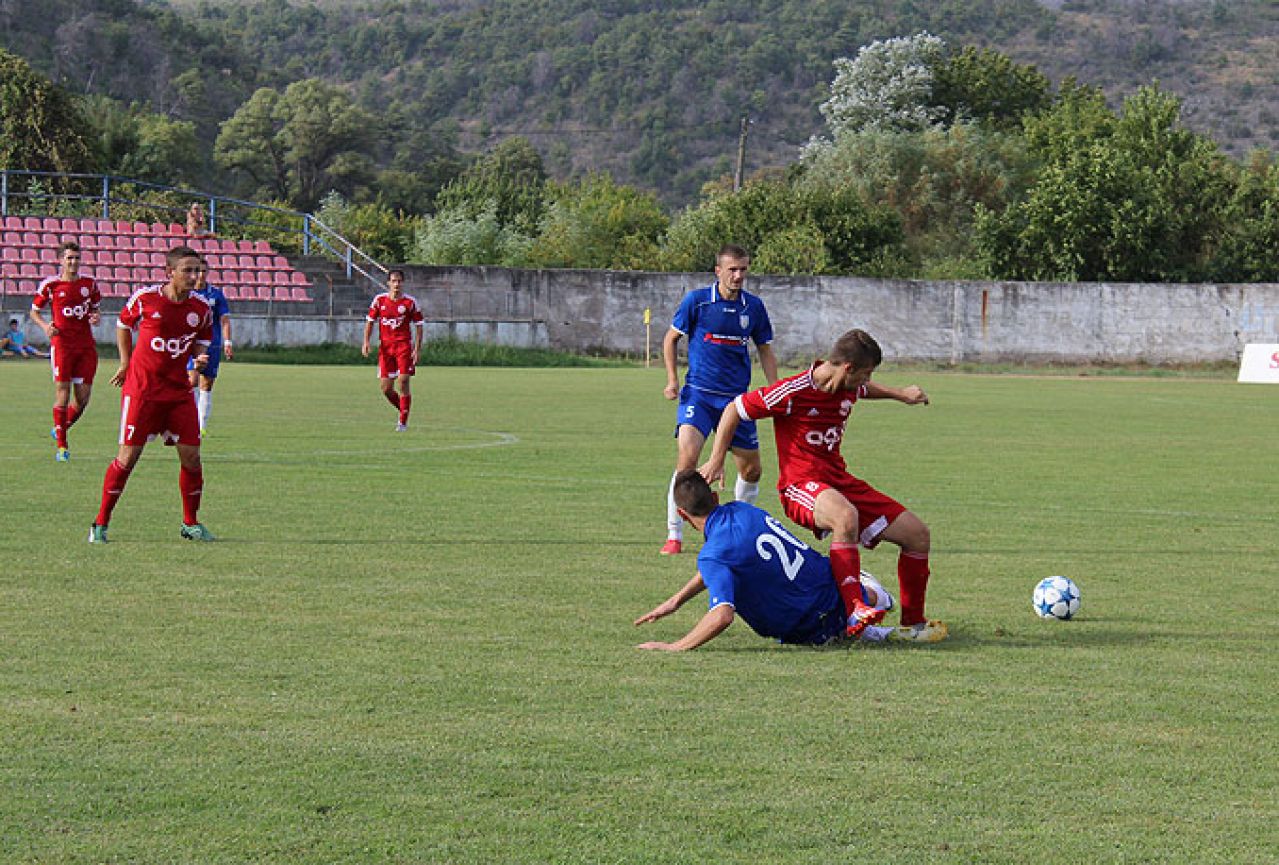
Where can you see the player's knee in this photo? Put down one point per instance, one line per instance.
(844, 522)
(751, 473)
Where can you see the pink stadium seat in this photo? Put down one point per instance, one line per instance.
(13, 223)
(264, 292)
(69, 225)
(12, 238)
(123, 226)
(157, 275)
(280, 277)
(246, 277)
(49, 238)
(158, 228)
(297, 277)
(141, 259)
(282, 294)
(9, 269)
(175, 228)
(121, 256)
(246, 262)
(10, 254)
(28, 270)
(140, 228)
(32, 223)
(30, 238)
(28, 286)
(300, 295)
(49, 255)
(121, 274)
(261, 247)
(29, 253)
(51, 223)
(244, 246)
(155, 259)
(264, 262)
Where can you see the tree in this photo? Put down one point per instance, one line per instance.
(593, 222)
(889, 86)
(42, 128)
(298, 144)
(984, 85)
(510, 180)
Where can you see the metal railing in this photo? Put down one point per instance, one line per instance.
(48, 193)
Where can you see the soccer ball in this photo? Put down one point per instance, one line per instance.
(1056, 598)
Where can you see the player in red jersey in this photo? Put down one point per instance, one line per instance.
(809, 413)
(172, 324)
(74, 303)
(400, 327)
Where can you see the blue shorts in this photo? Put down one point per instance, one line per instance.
(211, 368)
(827, 626)
(702, 410)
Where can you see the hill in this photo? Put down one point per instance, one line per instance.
(653, 93)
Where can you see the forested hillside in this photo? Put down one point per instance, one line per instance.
(652, 93)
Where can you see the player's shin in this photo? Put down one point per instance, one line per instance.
(112, 488)
(60, 425)
(912, 580)
(406, 402)
(191, 484)
(846, 567)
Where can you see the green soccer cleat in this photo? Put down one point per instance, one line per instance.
(97, 534)
(932, 631)
(197, 532)
(62, 455)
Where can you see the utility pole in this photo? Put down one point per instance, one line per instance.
(741, 153)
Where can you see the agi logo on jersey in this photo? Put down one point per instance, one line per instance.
(175, 347)
(80, 310)
(829, 439)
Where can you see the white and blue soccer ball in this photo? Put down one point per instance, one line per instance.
(1056, 598)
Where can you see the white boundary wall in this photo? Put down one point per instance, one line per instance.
(580, 310)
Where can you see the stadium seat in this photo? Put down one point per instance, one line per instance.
(30, 238)
(261, 247)
(12, 223)
(9, 269)
(157, 275)
(28, 270)
(49, 255)
(51, 223)
(12, 238)
(49, 238)
(120, 257)
(141, 259)
(121, 274)
(32, 223)
(69, 225)
(282, 294)
(297, 277)
(176, 229)
(246, 262)
(244, 246)
(10, 253)
(300, 295)
(29, 253)
(264, 292)
(28, 286)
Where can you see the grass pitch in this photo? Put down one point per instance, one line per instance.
(414, 648)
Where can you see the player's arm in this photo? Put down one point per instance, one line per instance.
(912, 395)
(418, 330)
(368, 334)
(38, 317)
(707, 628)
(713, 468)
(691, 589)
(670, 355)
(124, 342)
(768, 361)
(226, 337)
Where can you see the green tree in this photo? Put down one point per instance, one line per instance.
(298, 144)
(595, 223)
(510, 180)
(984, 85)
(1245, 250)
(42, 128)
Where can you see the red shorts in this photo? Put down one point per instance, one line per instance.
(175, 422)
(394, 360)
(77, 365)
(875, 511)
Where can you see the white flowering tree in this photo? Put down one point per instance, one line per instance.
(887, 87)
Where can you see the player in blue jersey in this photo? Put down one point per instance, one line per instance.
(752, 566)
(720, 321)
(202, 380)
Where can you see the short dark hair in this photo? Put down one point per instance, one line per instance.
(731, 250)
(173, 256)
(67, 245)
(692, 493)
(13, 321)
(391, 273)
(858, 348)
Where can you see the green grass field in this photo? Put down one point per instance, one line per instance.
(418, 648)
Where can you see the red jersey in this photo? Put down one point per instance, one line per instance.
(808, 425)
(71, 303)
(166, 331)
(395, 317)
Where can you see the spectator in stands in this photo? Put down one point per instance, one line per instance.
(15, 342)
(195, 220)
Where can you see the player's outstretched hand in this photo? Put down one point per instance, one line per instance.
(915, 395)
(364, 350)
(713, 473)
(660, 647)
(663, 609)
(201, 361)
(118, 378)
(671, 391)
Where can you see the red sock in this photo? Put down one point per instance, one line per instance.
(406, 400)
(60, 425)
(73, 414)
(912, 580)
(846, 566)
(192, 485)
(392, 397)
(112, 488)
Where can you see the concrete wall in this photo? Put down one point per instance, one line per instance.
(944, 321)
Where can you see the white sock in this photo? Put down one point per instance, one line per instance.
(746, 491)
(203, 406)
(674, 523)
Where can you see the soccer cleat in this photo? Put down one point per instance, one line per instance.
(863, 615)
(401, 427)
(672, 547)
(197, 532)
(62, 455)
(97, 534)
(932, 631)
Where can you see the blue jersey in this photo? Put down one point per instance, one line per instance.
(217, 303)
(719, 360)
(781, 586)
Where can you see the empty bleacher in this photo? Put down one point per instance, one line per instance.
(123, 256)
